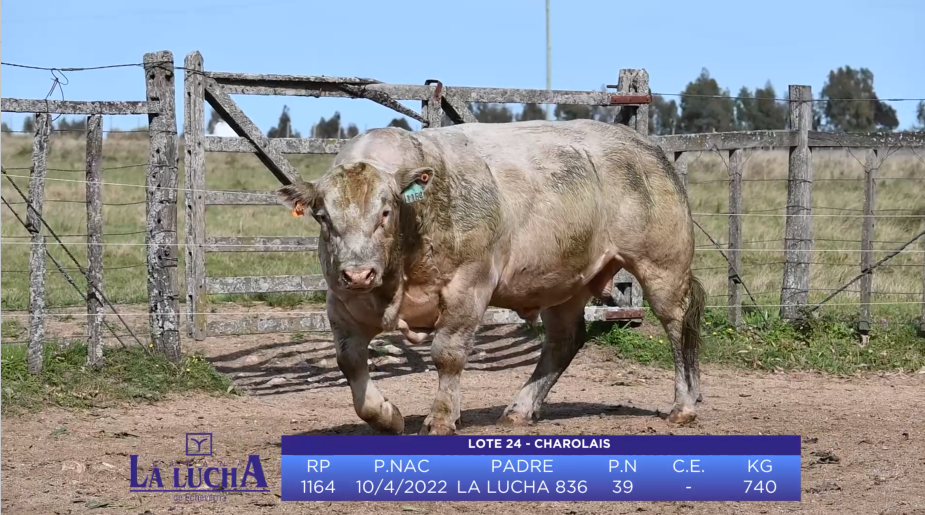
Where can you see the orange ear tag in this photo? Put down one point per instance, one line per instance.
(298, 210)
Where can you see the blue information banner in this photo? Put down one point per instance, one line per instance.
(541, 468)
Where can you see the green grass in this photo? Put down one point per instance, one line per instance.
(128, 375)
(827, 343)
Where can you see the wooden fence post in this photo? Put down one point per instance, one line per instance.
(735, 237)
(432, 110)
(94, 240)
(36, 350)
(922, 322)
(195, 169)
(626, 291)
(799, 229)
(161, 222)
(867, 236)
(680, 166)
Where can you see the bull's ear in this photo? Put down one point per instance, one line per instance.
(297, 197)
(413, 182)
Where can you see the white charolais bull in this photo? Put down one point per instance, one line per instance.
(423, 231)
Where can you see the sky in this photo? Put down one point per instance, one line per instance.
(490, 43)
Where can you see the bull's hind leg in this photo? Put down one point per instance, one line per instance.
(677, 299)
(352, 347)
(565, 335)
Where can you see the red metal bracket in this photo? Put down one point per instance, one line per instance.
(438, 91)
(631, 99)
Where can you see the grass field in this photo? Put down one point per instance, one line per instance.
(837, 197)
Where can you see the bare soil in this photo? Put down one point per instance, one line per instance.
(863, 450)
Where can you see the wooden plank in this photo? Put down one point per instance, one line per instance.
(265, 284)
(726, 140)
(260, 244)
(458, 111)
(195, 184)
(94, 241)
(231, 78)
(922, 321)
(230, 112)
(22, 105)
(240, 198)
(462, 94)
(680, 166)
(866, 140)
(867, 235)
(799, 224)
(318, 321)
(36, 349)
(733, 282)
(280, 145)
(161, 211)
(381, 98)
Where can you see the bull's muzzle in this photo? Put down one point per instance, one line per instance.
(362, 278)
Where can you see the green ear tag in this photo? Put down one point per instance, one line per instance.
(413, 193)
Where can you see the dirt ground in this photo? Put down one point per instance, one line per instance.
(863, 450)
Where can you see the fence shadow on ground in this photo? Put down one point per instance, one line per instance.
(310, 363)
(486, 417)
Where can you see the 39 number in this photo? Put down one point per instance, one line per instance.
(622, 487)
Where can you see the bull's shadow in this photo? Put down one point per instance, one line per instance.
(488, 417)
(306, 364)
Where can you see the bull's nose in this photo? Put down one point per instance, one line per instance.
(358, 277)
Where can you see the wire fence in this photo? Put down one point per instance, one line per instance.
(725, 263)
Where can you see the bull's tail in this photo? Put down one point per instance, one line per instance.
(690, 332)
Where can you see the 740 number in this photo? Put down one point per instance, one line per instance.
(768, 487)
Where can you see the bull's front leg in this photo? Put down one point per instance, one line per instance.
(352, 346)
(464, 302)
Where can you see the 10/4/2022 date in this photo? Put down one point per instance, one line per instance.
(422, 486)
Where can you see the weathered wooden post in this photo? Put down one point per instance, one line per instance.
(922, 322)
(735, 237)
(432, 109)
(94, 240)
(626, 291)
(798, 240)
(161, 193)
(867, 236)
(680, 166)
(195, 169)
(36, 351)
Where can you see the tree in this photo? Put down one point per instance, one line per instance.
(531, 112)
(214, 118)
(352, 131)
(920, 115)
(329, 128)
(706, 108)
(663, 116)
(573, 112)
(400, 122)
(851, 103)
(28, 125)
(283, 128)
(492, 113)
(79, 124)
(5, 128)
(761, 111)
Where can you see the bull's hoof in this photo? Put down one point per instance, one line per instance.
(681, 417)
(699, 397)
(437, 428)
(516, 419)
(389, 420)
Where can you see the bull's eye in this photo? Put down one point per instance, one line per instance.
(385, 214)
(322, 217)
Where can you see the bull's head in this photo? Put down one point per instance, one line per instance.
(357, 207)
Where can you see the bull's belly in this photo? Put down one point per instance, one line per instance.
(530, 289)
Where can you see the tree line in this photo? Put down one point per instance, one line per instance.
(847, 102)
